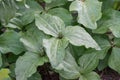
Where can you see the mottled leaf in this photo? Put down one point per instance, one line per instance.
(88, 12)
(55, 49)
(7, 10)
(79, 37)
(33, 38)
(27, 64)
(51, 25)
(68, 67)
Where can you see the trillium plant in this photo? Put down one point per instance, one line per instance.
(75, 38)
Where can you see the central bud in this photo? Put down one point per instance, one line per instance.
(60, 35)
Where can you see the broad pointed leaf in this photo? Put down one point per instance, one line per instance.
(88, 62)
(8, 10)
(28, 14)
(15, 22)
(110, 21)
(9, 42)
(64, 14)
(104, 43)
(103, 63)
(107, 4)
(79, 37)
(89, 11)
(90, 76)
(33, 38)
(55, 49)
(27, 64)
(68, 67)
(55, 3)
(114, 59)
(51, 25)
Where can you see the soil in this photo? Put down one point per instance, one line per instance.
(48, 74)
(109, 74)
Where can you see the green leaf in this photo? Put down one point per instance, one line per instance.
(7, 10)
(77, 51)
(110, 21)
(102, 40)
(0, 60)
(102, 53)
(114, 59)
(27, 64)
(114, 27)
(68, 67)
(25, 3)
(117, 42)
(33, 38)
(35, 76)
(88, 62)
(79, 37)
(55, 3)
(107, 4)
(63, 13)
(61, 78)
(90, 76)
(15, 22)
(103, 63)
(9, 42)
(48, 1)
(28, 14)
(4, 74)
(104, 43)
(55, 50)
(51, 25)
(25, 15)
(88, 12)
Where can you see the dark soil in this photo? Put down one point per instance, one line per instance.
(109, 74)
(48, 74)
